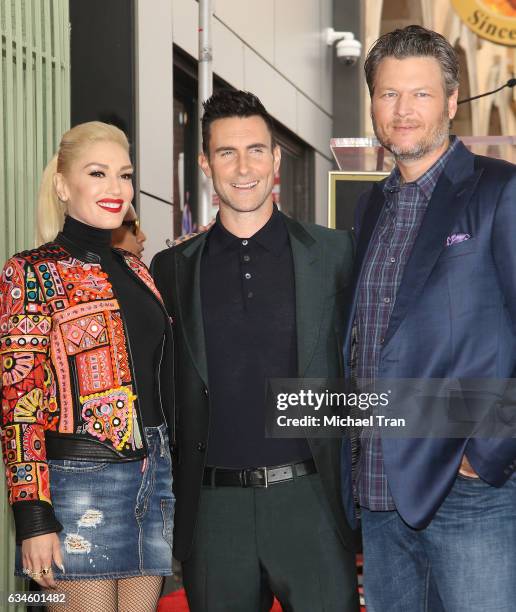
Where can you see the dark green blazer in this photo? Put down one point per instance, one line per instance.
(322, 268)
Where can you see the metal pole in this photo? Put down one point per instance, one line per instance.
(205, 91)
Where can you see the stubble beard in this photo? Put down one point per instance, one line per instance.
(423, 147)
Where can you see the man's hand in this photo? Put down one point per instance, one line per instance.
(466, 469)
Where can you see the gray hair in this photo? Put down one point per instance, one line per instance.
(414, 41)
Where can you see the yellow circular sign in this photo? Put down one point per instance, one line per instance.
(494, 20)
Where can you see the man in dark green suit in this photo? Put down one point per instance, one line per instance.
(259, 296)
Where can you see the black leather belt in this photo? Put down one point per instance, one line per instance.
(87, 450)
(256, 477)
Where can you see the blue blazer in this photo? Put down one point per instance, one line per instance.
(454, 317)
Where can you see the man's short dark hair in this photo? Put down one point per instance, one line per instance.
(232, 103)
(414, 41)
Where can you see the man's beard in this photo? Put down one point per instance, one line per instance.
(420, 149)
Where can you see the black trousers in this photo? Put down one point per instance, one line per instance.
(252, 543)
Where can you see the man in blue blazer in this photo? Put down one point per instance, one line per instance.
(434, 297)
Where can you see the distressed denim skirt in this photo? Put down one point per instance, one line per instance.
(117, 517)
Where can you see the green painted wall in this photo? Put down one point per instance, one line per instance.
(34, 112)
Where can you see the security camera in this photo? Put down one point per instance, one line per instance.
(348, 49)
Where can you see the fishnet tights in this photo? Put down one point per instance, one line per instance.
(139, 594)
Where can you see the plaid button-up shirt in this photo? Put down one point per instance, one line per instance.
(390, 248)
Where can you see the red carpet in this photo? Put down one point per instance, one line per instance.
(176, 602)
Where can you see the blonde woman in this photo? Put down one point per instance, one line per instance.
(86, 390)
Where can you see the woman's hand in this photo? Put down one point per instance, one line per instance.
(38, 553)
(200, 230)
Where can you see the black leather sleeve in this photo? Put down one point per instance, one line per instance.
(34, 518)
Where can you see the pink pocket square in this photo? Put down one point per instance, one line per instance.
(456, 238)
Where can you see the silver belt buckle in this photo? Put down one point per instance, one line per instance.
(266, 474)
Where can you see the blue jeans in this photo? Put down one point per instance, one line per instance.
(464, 561)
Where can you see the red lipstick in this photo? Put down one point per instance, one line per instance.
(113, 205)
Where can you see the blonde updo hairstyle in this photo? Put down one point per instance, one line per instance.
(51, 210)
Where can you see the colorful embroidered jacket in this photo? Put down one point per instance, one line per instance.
(66, 368)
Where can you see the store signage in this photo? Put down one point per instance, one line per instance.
(494, 20)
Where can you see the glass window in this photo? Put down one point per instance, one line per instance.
(185, 145)
(293, 189)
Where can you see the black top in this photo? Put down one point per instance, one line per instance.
(249, 311)
(143, 317)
